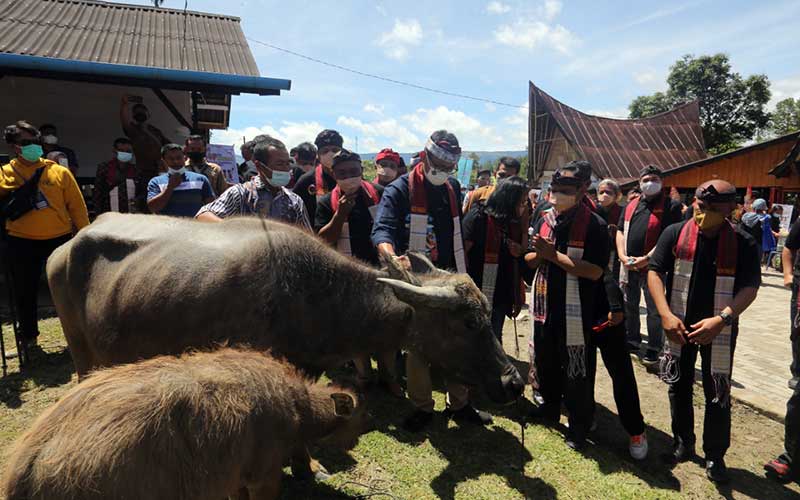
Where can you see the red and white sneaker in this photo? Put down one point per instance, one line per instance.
(638, 446)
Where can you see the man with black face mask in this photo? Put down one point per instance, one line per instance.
(195, 149)
(711, 273)
(147, 140)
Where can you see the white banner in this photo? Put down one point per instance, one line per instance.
(786, 216)
(225, 157)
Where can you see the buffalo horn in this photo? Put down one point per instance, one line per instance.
(435, 296)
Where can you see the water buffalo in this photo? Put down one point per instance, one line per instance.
(207, 425)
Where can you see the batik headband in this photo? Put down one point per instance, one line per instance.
(441, 153)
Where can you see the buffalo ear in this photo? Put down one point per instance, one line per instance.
(420, 264)
(343, 404)
(397, 270)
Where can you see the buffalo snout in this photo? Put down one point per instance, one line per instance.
(508, 387)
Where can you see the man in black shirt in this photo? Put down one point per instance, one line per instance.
(571, 250)
(315, 183)
(640, 225)
(711, 275)
(344, 220)
(785, 467)
(305, 159)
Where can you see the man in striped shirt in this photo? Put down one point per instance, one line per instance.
(265, 195)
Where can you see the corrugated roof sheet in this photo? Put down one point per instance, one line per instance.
(125, 34)
(620, 148)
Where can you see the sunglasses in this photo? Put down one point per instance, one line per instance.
(28, 142)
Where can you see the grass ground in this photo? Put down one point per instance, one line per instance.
(452, 462)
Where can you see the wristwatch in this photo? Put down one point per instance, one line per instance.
(726, 318)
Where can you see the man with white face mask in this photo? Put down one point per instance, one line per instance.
(420, 212)
(640, 225)
(51, 142)
(177, 192)
(117, 183)
(265, 195)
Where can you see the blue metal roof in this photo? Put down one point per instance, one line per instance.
(138, 76)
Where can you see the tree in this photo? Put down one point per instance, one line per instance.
(732, 108)
(786, 117)
(649, 105)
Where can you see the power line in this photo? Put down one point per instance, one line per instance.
(385, 79)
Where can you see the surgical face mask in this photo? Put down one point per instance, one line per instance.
(279, 178)
(179, 171)
(562, 202)
(349, 185)
(386, 172)
(31, 152)
(50, 139)
(436, 177)
(64, 162)
(651, 188)
(707, 220)
(124, 156)
(196, 156)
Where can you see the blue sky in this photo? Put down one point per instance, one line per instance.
(594, 56)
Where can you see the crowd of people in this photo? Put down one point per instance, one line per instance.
(585, 255)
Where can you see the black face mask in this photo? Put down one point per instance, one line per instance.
(140, 117)
(196, 156)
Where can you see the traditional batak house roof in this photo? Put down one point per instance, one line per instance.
(616, 148)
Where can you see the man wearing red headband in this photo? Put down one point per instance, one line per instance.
(387, 163)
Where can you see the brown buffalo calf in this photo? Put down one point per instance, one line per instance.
(202, 426)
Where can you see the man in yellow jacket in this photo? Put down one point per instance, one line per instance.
(58, 211)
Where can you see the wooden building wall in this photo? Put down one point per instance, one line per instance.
(749, 167)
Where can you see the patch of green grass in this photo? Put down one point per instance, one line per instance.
(449, 461)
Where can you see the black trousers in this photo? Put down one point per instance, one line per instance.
(613, 348)
(792, 438)
(550, 354)
(26, 259)
(794, 334)
(717, 421)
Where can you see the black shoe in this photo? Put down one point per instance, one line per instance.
(717, 471)
(575, 442)
(633, 349)
(417, 421)
(470, 414)
(793, 383)
(650, 358)
(681, 453)
(540, 415)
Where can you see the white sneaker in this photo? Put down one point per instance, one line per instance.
(638, 447)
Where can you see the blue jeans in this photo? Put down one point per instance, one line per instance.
(637, 282)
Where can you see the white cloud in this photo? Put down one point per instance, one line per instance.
(531, 34)
(390, 130)
(783, 89)
(408, 133)
(497, 8)
(551, 9)
(291, 133)
(373, 108)
(618, 113)
(490, 107)
(645, 77)
(404, 34)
